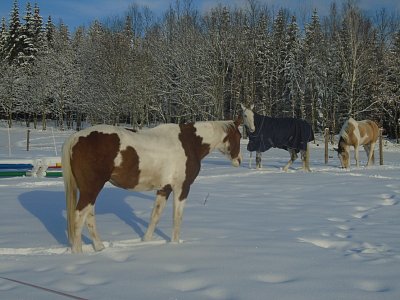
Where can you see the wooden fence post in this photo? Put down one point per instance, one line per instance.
(381, 146)
(27, 139)
(326, 144)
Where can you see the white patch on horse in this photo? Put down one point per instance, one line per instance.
(158, 149)
(207, 132)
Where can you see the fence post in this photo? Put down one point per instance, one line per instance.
(27, 139)
(326, 144)
(9, 142)
(381, 146)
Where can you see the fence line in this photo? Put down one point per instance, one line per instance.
(22, 142)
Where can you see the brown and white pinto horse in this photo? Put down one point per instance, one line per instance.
(166, 158)
(357, 133)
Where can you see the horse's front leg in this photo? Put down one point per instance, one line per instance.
(356, 157)
(250, 160)
(159, 205)
(258, 160)
(179, 204)
(293, 157)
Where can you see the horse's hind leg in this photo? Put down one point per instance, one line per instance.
(83, 209)
(80, 217)
(258, 160)
(91, 225)
(159, 205)
(180, 196)
(369, 149)
(293, 157)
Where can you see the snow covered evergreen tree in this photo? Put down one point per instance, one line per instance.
(294, 71)
(279, 53)
(49, 33)
(3, 37)
(27, 38)
(14, 45)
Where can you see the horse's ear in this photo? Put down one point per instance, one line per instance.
(242, 106)
(252, 106)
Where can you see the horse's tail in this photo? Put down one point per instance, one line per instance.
(70, 186)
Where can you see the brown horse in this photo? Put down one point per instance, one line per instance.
(357, 133)
(166, 158)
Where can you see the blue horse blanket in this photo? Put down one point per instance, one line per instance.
(282, 133)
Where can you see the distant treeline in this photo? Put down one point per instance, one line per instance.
(187, 65)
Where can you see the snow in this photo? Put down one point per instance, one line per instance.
(247, 234)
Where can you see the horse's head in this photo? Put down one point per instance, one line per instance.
(343, 153)
(230, 146)
(248, 117)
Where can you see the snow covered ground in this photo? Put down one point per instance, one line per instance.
(247, 234)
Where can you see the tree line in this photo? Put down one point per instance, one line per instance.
(184, 66)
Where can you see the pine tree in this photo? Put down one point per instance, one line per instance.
(279, 48)
(13, 45)
(49, 33)
(29, 51)
(3, 38)
(293, 69)
(38, 31)
(314, 68)
(392, 107)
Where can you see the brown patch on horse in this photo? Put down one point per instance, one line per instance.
(165, 191)
(92, 162)
(126, 175)
(374, 130)
(195, 150)
(231, 136)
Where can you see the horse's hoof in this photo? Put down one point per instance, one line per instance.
(99, 247)
(76, 250)
(146, 239)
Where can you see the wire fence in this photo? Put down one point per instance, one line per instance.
(20, 142)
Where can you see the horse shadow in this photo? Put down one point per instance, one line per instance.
(49, 208)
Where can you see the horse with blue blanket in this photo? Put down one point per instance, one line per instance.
(290, 134)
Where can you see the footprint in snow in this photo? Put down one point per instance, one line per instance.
(371, 286)
(273, 278)
(388, 200)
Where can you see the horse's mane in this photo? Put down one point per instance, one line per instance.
(224, 125)
(344, 132)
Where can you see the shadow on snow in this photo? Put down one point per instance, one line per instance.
(49, 208)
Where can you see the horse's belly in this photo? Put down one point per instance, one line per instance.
(364, 140)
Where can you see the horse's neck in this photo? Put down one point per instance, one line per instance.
(212, 133)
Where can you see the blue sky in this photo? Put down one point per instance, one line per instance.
(82, 12)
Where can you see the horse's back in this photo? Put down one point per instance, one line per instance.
(359, 132)
(130, 160)
(371, 130)
(283, 133)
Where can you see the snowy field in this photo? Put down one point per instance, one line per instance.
(247, 234)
